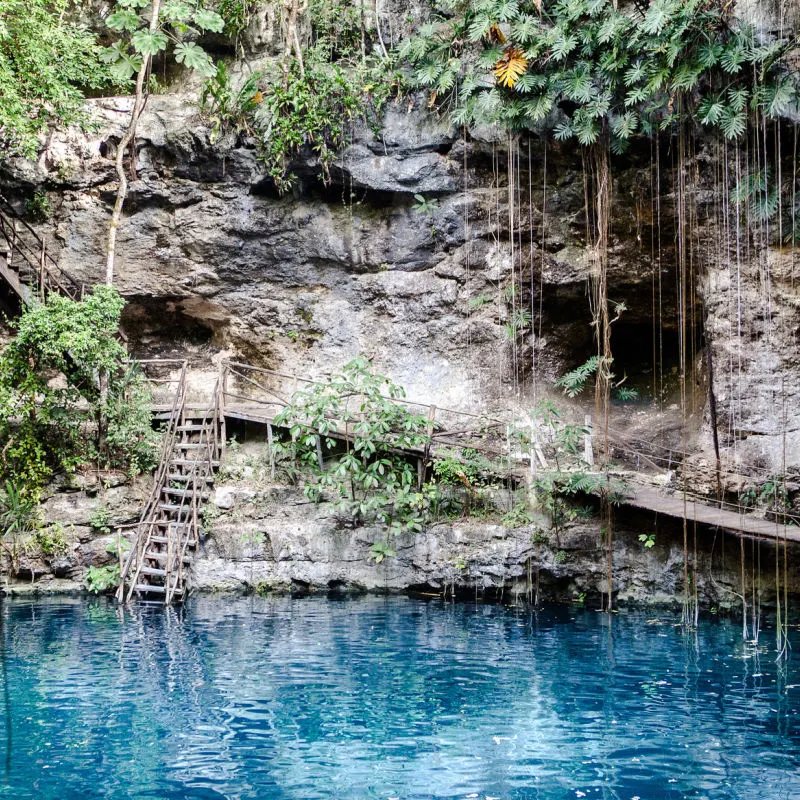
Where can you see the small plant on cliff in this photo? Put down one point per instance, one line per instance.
(100, 520)
(312, 97)
(381, 550)
(20, 516)
(101, 580)
(371, 480)
(648, 540)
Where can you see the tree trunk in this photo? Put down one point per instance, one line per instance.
(127, 137)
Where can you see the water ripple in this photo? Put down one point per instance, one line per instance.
(388, 697)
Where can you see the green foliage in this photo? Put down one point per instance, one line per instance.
(130, 442)
(770, 494)
(51, 540)
(46, 60)
(20, 516)
(313, 104)
(102, 580)
(519, 516)
(427, 206)
(38, 207)
(463, 483)
(648, 540)
(548, 431)
(619, 70)
(237, 14)
(625, 393)
(574, 382)
(381, 550)
(478, 301)
(370, 480)
(51, 395)
(100, 520)
(179, 23)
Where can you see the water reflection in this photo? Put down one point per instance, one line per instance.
(388, 697)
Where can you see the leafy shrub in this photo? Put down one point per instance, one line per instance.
(100, 520)
(38, 90)
(52, 394)
(370, 480)
(100, 580)
(620, 70)
(51, 540)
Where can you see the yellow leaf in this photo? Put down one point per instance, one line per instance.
(257, 98)
(510, 68)
(496, 35)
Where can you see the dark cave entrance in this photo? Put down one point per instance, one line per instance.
(647, 357)
(170, 326)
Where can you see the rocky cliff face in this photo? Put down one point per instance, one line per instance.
(213, 261)
(262, 536)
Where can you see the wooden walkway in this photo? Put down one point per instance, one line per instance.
(253, 400)
(650, 498)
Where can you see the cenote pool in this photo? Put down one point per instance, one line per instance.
(388, 698)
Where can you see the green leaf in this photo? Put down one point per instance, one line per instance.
(123, 20)
(176, 12)
(209, 21)
(126, 67)
(194, 57)
(149, 43)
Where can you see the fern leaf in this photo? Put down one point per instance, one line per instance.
(511, 67)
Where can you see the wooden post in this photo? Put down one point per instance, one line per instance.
(271, 449)
(588, 451)
(41, 273)
(422, 465)
(319, 454)
(222, 388)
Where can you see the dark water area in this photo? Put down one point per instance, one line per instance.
(298, 699)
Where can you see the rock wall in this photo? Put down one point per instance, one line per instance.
(214, 262)
(263, 536)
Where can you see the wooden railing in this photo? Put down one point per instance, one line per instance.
(264, 393)
(26, 262)
(261, 394)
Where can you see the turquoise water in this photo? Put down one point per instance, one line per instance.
(388, 698)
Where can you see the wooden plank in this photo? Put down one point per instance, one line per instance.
(652, 499)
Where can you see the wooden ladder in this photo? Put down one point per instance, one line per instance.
(156, 568)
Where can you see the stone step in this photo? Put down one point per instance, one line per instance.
(190, 476)
(182, 462)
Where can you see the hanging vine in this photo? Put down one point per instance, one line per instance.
(602, 75)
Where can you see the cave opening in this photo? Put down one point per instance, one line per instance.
(647, 357)
(166, 327)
